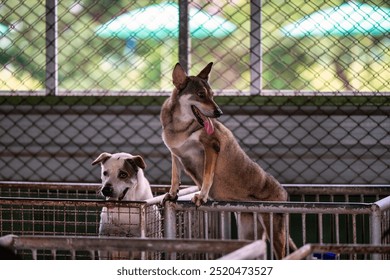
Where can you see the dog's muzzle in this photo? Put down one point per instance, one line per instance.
(107, 190)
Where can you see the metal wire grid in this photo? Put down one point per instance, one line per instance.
(54, 190)
(323, 223)
(293, 134)
(327, 222)
(24, 216)
(49, 190)
(296, 142)
(278, 61)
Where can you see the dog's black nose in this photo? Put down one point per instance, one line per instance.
(107, 190)
(218, 112)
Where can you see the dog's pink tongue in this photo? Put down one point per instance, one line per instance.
(208, 126)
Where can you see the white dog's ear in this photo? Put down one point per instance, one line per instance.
(139, 161)
(102, 158)
(179, 77)
(204, 74)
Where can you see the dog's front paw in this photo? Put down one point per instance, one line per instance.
(169, 197)
(198, 200)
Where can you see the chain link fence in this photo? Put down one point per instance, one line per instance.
(78, 78)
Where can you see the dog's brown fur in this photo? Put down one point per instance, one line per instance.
(211, 156)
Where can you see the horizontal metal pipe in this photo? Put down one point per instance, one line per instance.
(254, 250)
(292, 189)
(279, 207)
(258, 207)
(119, 243)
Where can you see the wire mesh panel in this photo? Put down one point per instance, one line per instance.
(295, 142)
(331, 223)
(310, 107)
(62, 190)
(26, 216)
(50, 190)
(326, 45)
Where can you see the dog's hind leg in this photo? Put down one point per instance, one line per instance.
(277, 237)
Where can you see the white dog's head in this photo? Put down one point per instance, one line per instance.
(118, 173)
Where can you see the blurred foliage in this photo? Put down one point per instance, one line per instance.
(87, 62)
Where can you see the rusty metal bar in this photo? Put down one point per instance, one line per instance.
(50, 185)
(238, 219)
(279, 207)
(189, 223)
(320, 228)
(287, 222)
(206, 224)
(303, 219)
(292, 189)
(255, 221)
(68, 202)
(170, 220)
(123, 243)
(222, 220)
(271, 233)
(337, 189)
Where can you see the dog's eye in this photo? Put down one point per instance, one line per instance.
(105, 173)
(201, 94)
(122, 175)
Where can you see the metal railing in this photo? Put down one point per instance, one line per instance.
(361, 217)
(87, 248)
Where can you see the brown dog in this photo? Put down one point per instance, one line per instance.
(211, 156)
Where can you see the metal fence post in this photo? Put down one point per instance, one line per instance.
(184, 41)
(375, 228)
(169, 220)
(255, 48)
(51, 48)
(170, 225)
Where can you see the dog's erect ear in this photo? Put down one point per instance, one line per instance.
(179, 77)
(102, 158)
(204, 74)
(139, 161)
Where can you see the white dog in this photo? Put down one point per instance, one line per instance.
(123, 179)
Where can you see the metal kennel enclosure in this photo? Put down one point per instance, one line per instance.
(311, 110)
(315, 214)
